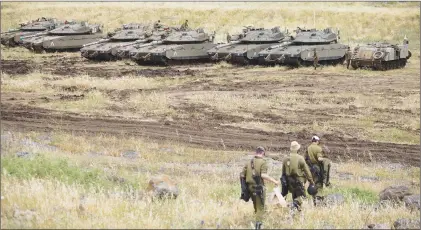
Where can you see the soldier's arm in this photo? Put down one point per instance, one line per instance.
(307, 172)
(265, 176)
(243, 172)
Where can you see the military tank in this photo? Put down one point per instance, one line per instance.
(179, 46)
(70, 37)
(380, 56)
(14, 37)
(158, 34)
(103, 49)
(300, 49)
(243, 48)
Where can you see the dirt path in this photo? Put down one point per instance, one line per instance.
(17, 117)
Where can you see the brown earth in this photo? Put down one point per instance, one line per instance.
(201, 134)
(19, 110)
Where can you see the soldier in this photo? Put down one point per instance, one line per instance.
(296, 171)
(348, 56)
(253, 172)
(157, 24)
(319, 165)
(228, 37)
(315, 59)
(185, 25)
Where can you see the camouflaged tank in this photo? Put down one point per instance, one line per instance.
(158, 34)
(14, 37)
(245, 50)
(103, 49)
(179, 46)
(380, 56)
(300, 50)
(69, 37)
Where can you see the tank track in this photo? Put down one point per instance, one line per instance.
(380, 65)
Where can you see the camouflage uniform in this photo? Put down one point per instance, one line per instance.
(314, 151)
(315, 60)
(348, 56)
(184, 26)
(297, 171)
(261, 167)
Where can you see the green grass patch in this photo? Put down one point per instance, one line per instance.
(60, 169)
(357, 194)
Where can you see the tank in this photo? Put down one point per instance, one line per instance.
(243, 49)
(179, 46)
(380, 56)
(14, 37)
(69, 37)
(158, 34)
(299, 50)
(103, 49)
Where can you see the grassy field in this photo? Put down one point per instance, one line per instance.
(69, 182)
(358, 22)
(76, 119)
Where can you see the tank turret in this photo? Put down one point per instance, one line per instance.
(179, 46)
(70, 36)
(244, 47)
(299, 50)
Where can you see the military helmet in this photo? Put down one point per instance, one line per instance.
(312, 190)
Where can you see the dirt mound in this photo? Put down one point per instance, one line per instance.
(16, 67)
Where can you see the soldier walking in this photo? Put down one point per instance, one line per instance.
(296, 172)
(185, 25)
(348, 56)
(228, 37)
(254, 173)
(315, 59)
(319, 165)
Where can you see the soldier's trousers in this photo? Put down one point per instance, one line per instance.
(297, 192)
(317, 180)
(315, 64)
(258, 204)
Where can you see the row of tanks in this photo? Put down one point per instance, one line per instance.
(50, 35)
(158, 44)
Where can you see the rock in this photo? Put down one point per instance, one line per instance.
(378, 226)
(369, 178)
(23, 154)
(394, 193)
(412, 201)
(116, 179)
(163, 186)
(27, 215)
(130, 154)
(406, 224)
(345, 176)
(336, 198)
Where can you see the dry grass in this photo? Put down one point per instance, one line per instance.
(209, 199)
(358, 22)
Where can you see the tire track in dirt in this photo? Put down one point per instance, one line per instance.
(205, 134)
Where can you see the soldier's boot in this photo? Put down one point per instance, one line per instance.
(295, 206)
(259, 225)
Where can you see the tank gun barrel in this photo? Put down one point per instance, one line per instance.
(34, 35)
(227, 44)
(97, 42)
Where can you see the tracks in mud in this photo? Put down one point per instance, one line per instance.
(204, 134)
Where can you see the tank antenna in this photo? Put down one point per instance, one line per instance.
(314, 18)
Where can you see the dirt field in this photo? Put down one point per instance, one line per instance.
(363, 115)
